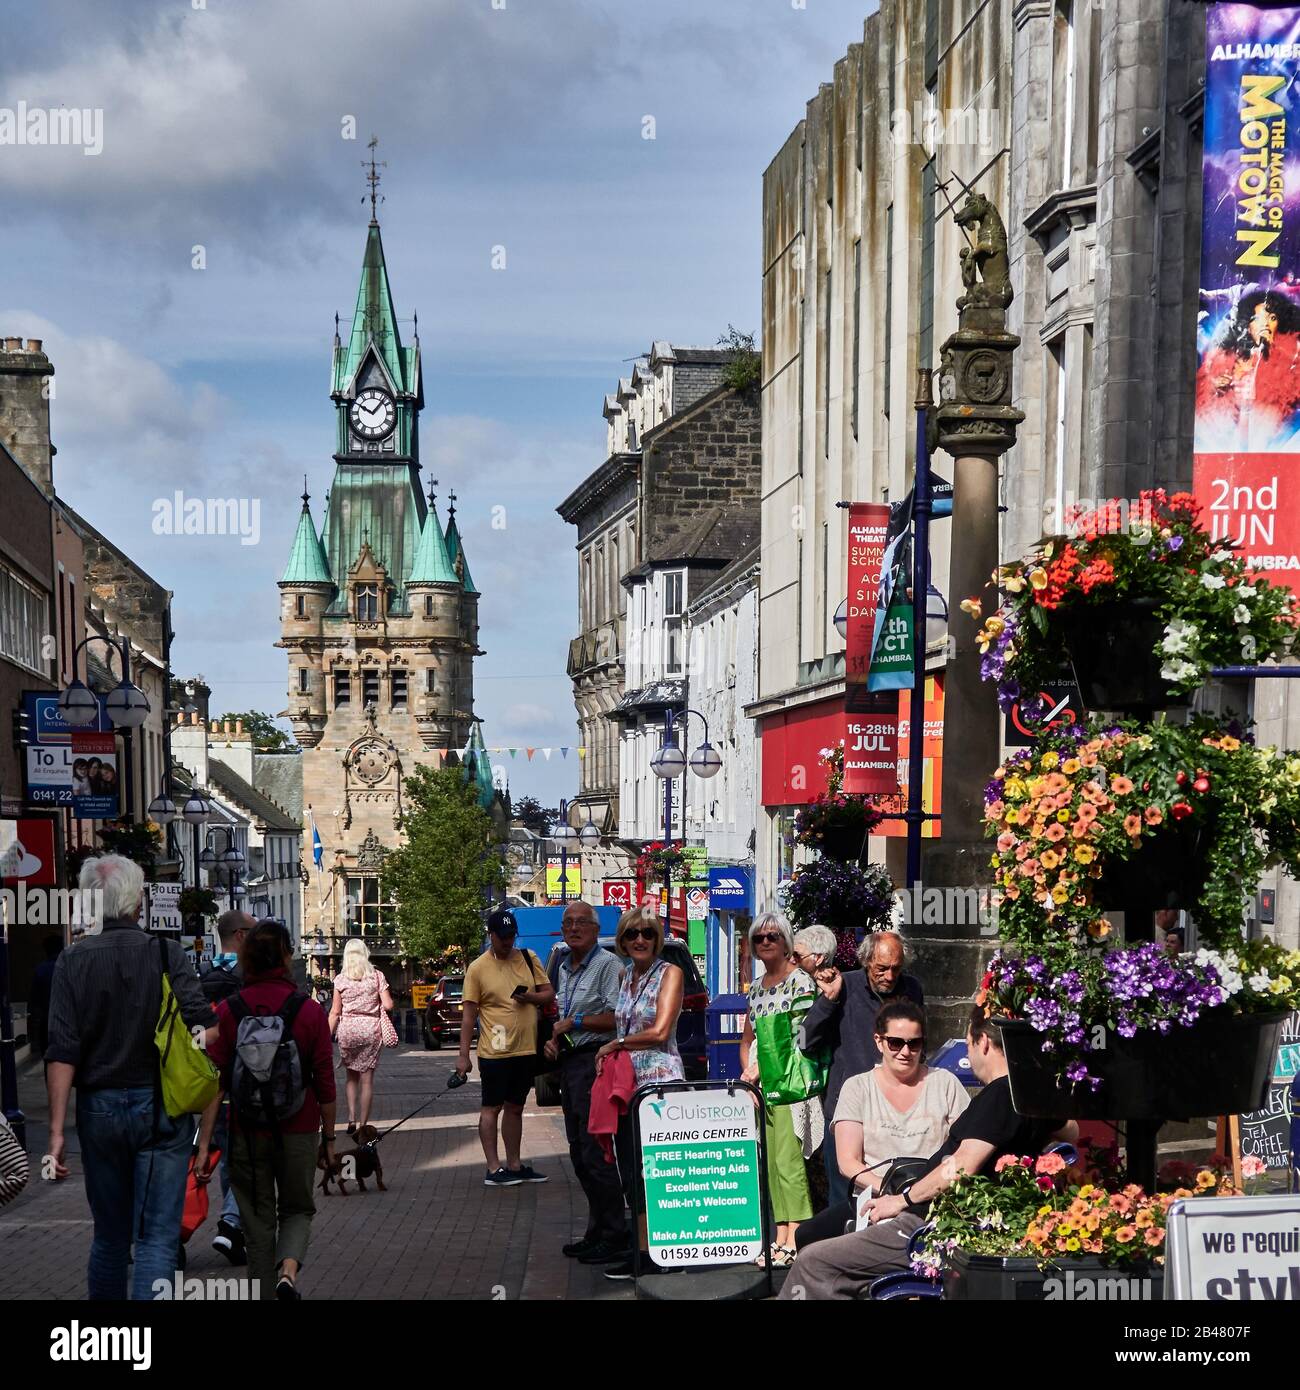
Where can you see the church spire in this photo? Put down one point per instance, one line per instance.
(307, 562)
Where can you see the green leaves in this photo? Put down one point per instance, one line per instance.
(442, 875)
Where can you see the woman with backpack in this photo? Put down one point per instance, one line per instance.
(357, 1018)
(276, 1060)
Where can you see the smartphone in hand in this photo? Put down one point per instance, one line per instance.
(518, 990)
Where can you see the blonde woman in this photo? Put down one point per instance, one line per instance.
(360, 993)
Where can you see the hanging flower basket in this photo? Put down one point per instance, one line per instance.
(657, 858)
(1114, 649)
(1221, 1065)
(1144, 600)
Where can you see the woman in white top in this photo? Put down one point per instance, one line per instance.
(898, 1109)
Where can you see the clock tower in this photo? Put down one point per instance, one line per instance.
(379, 619)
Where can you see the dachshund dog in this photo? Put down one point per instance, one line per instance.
(358, 1163)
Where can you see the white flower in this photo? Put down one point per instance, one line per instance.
(1221, 555)
(1247, 591)
(1179, 637)
(1241, 614)
(1213, 581)
(1178, 671)
(1260, 982)
(1140, 536)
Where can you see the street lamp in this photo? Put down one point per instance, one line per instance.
(230, 861)
(195, 813)
(589, 835)
(566, 835)
(668, 762)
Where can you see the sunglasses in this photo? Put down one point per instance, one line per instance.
(896, 1045)
(640, 934)
(765, 936)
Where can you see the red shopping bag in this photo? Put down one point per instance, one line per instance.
(196, 1198)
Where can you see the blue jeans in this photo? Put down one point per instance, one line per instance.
(221, 1140)
(136, 1189)
(837, 1184)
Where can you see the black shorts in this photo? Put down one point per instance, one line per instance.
(506, 1079)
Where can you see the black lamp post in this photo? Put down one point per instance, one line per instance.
(669, 762)
(230, 861)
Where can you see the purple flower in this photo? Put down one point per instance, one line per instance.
(1175, 542)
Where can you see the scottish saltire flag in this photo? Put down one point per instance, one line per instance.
(317, 849)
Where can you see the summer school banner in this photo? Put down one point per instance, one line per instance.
(870, 717)
(1248, 320)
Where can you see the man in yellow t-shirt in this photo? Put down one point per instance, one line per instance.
(504, 988)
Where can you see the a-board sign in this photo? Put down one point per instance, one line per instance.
(1234, 1249)
(1266, 1133)
(421, 994)
(703, 1190)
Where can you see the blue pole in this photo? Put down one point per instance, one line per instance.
(921, 508)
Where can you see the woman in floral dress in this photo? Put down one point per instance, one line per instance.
(360, 993)
(649, 1002)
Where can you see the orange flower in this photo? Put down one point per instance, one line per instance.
(1133, 824)
(1049, 858)
(1120, 786)
(1087, 812)
(1153, 815)
(1154, 1235)
(1055, 832)
(1125, 1234)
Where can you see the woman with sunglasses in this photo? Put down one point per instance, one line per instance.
(898, 1109)
(782, 988)
(645, 1019)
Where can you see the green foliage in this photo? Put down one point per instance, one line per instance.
(441, 876)
(267, 736)
(745, 370)
(530, 813)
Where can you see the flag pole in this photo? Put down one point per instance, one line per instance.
(921, 508)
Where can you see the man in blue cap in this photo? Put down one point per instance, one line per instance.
(504, 988)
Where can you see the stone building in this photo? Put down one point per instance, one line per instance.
(609, 509)
(379, 617)
(861, 276)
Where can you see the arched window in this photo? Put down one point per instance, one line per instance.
(367, 603)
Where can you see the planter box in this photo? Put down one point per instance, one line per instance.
(847, 846)
(1112, 648)
(1084, 1279)
(1222, 1065)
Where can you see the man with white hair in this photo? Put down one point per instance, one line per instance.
(104, 1006)
(843, 1023)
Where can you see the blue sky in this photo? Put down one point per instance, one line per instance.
(518, 124)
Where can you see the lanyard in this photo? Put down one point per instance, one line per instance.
(574, 982)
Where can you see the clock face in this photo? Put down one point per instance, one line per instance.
(373, 414)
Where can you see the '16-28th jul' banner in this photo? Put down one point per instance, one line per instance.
(870, 717)
(1247, 475)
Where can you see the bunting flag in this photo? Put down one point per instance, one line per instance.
(513, 751)
(546, 753)
(530, 752)
(564, 752)
(582, 752)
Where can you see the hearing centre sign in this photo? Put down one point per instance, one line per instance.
(703, 1190)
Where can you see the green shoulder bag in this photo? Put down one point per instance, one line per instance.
(189, 1080)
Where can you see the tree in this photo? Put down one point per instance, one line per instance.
(268, 737)
(745, 369)
(530, 812)
(442, 875)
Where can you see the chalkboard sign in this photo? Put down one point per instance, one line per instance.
(1267, 1133)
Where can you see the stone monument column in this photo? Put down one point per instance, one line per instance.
(975, 423)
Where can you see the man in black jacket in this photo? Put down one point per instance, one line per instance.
(843, 1023)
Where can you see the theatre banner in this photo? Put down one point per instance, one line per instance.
(870, 717)
(1247, 474)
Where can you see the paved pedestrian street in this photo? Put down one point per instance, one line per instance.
(437, 1233)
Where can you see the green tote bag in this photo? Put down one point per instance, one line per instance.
(189, 1080)
(785, 1073)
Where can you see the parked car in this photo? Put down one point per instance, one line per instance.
(691, 1039)
(443, 1012)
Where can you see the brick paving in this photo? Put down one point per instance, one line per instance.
(437, 1233)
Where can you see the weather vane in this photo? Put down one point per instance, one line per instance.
(373, 176)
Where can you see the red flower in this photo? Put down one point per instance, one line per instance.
(1181, 810)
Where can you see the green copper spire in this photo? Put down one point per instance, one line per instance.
(307, 562)
(456, 551)
(432, 564)
(375, 320)
(477, 759)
